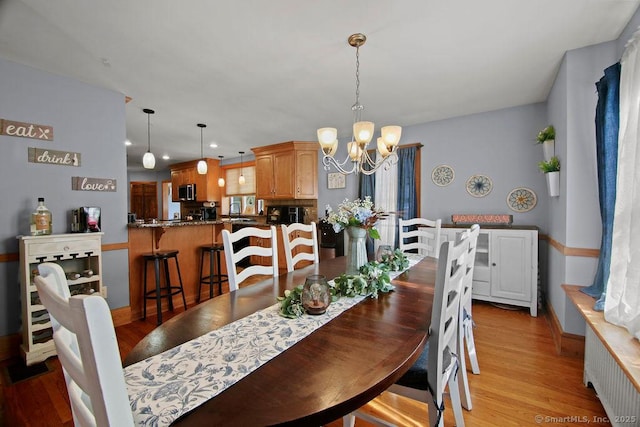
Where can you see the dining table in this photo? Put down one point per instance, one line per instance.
(331, 372)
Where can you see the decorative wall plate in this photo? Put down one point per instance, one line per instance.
(442, 175)
(479, 185)
(522, 199)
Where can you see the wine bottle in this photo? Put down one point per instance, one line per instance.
(41, 219)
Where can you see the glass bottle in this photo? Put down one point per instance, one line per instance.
(41, 219)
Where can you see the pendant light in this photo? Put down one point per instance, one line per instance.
(241, 179)
(221, 179)
(362, 134)
(202, 164)
(148, 160)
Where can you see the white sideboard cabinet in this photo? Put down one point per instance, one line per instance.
(506, 267)
(80, 256)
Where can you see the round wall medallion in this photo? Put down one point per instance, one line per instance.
(522, 199)
(479, 185)
(442, 175)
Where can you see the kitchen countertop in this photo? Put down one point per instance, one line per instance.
(181, 223)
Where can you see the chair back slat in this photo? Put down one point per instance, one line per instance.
(237, 275)
(421, 234)
(290, 245)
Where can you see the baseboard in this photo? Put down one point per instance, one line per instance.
(567, 344)
(10, 346)
(121, 316)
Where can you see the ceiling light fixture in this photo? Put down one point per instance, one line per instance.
(202, 164)
(221, 179)
(241, 179)
(362, 134)
(148, 160)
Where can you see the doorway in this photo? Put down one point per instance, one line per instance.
(144, 199)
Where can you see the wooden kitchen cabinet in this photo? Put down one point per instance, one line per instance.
(288, 170)
(206, 185)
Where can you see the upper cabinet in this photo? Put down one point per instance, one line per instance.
(206, 185)
(288, 170)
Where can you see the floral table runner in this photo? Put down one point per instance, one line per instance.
(165, 386)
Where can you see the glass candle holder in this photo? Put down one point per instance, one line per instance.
(383, 252)
(315, 294)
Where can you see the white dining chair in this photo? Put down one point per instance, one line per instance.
(421, 234)
(87, 348)
(435, 370)
(262, 243)
(465, 321)
(300, 238)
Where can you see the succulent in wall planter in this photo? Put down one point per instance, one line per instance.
(551, 169)
(547, 137)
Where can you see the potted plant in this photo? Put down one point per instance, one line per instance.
(547, 137)
(551, 169)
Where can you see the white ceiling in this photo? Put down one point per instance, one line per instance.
(259, 72)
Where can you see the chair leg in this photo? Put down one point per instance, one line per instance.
(144, 292)
(433, 412)
(167, 283)
(471, 346)
(349, 420)
(200, 276)
(184, 300)
(156, 266)
(211, 270)
(456, 404)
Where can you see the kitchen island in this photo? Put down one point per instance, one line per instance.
(185, 236)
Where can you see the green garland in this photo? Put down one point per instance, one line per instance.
(373, 279)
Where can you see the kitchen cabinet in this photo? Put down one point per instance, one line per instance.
(76, 253)
(506, 266)
(288, 170)
(206, 185)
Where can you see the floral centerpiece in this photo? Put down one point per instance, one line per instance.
(356, 213)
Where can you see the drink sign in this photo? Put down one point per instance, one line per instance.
(83, 183)
(54, 157)
(26, 130)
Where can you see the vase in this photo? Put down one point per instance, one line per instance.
(553, 183)
(548, 149)
(356, 249)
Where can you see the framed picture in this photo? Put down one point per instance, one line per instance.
(336, 180)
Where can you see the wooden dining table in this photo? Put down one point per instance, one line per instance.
(331, 372)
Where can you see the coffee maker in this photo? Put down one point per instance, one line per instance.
(85, 219)
(208, 213)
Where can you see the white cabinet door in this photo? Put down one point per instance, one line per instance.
(510, 258)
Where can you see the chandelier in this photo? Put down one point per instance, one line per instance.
(362, 134)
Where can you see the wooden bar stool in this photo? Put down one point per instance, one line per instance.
(215, 274)
(168, 291)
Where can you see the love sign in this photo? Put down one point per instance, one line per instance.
(83, 183)
(26, 130)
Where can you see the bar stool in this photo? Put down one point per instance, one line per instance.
(215, 275)
(169, 291)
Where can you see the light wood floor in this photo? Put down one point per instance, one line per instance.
(521, 378)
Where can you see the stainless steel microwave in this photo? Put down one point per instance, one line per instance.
(187, 192)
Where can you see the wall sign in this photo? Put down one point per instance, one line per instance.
(83, 183)
(336, 180)
(26, 130)
(54, 157)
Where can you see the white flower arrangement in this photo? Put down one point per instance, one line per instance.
(356, 213)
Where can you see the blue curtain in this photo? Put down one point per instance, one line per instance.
(407, 196)
(607, 124)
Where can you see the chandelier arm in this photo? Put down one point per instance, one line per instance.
(330, 161)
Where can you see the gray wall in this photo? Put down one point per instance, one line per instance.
(85, 119)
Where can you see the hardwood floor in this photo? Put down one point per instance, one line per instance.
(521, 378)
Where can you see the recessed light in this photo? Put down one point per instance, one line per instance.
(213, 145)
(127, 142)
(166, 157)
